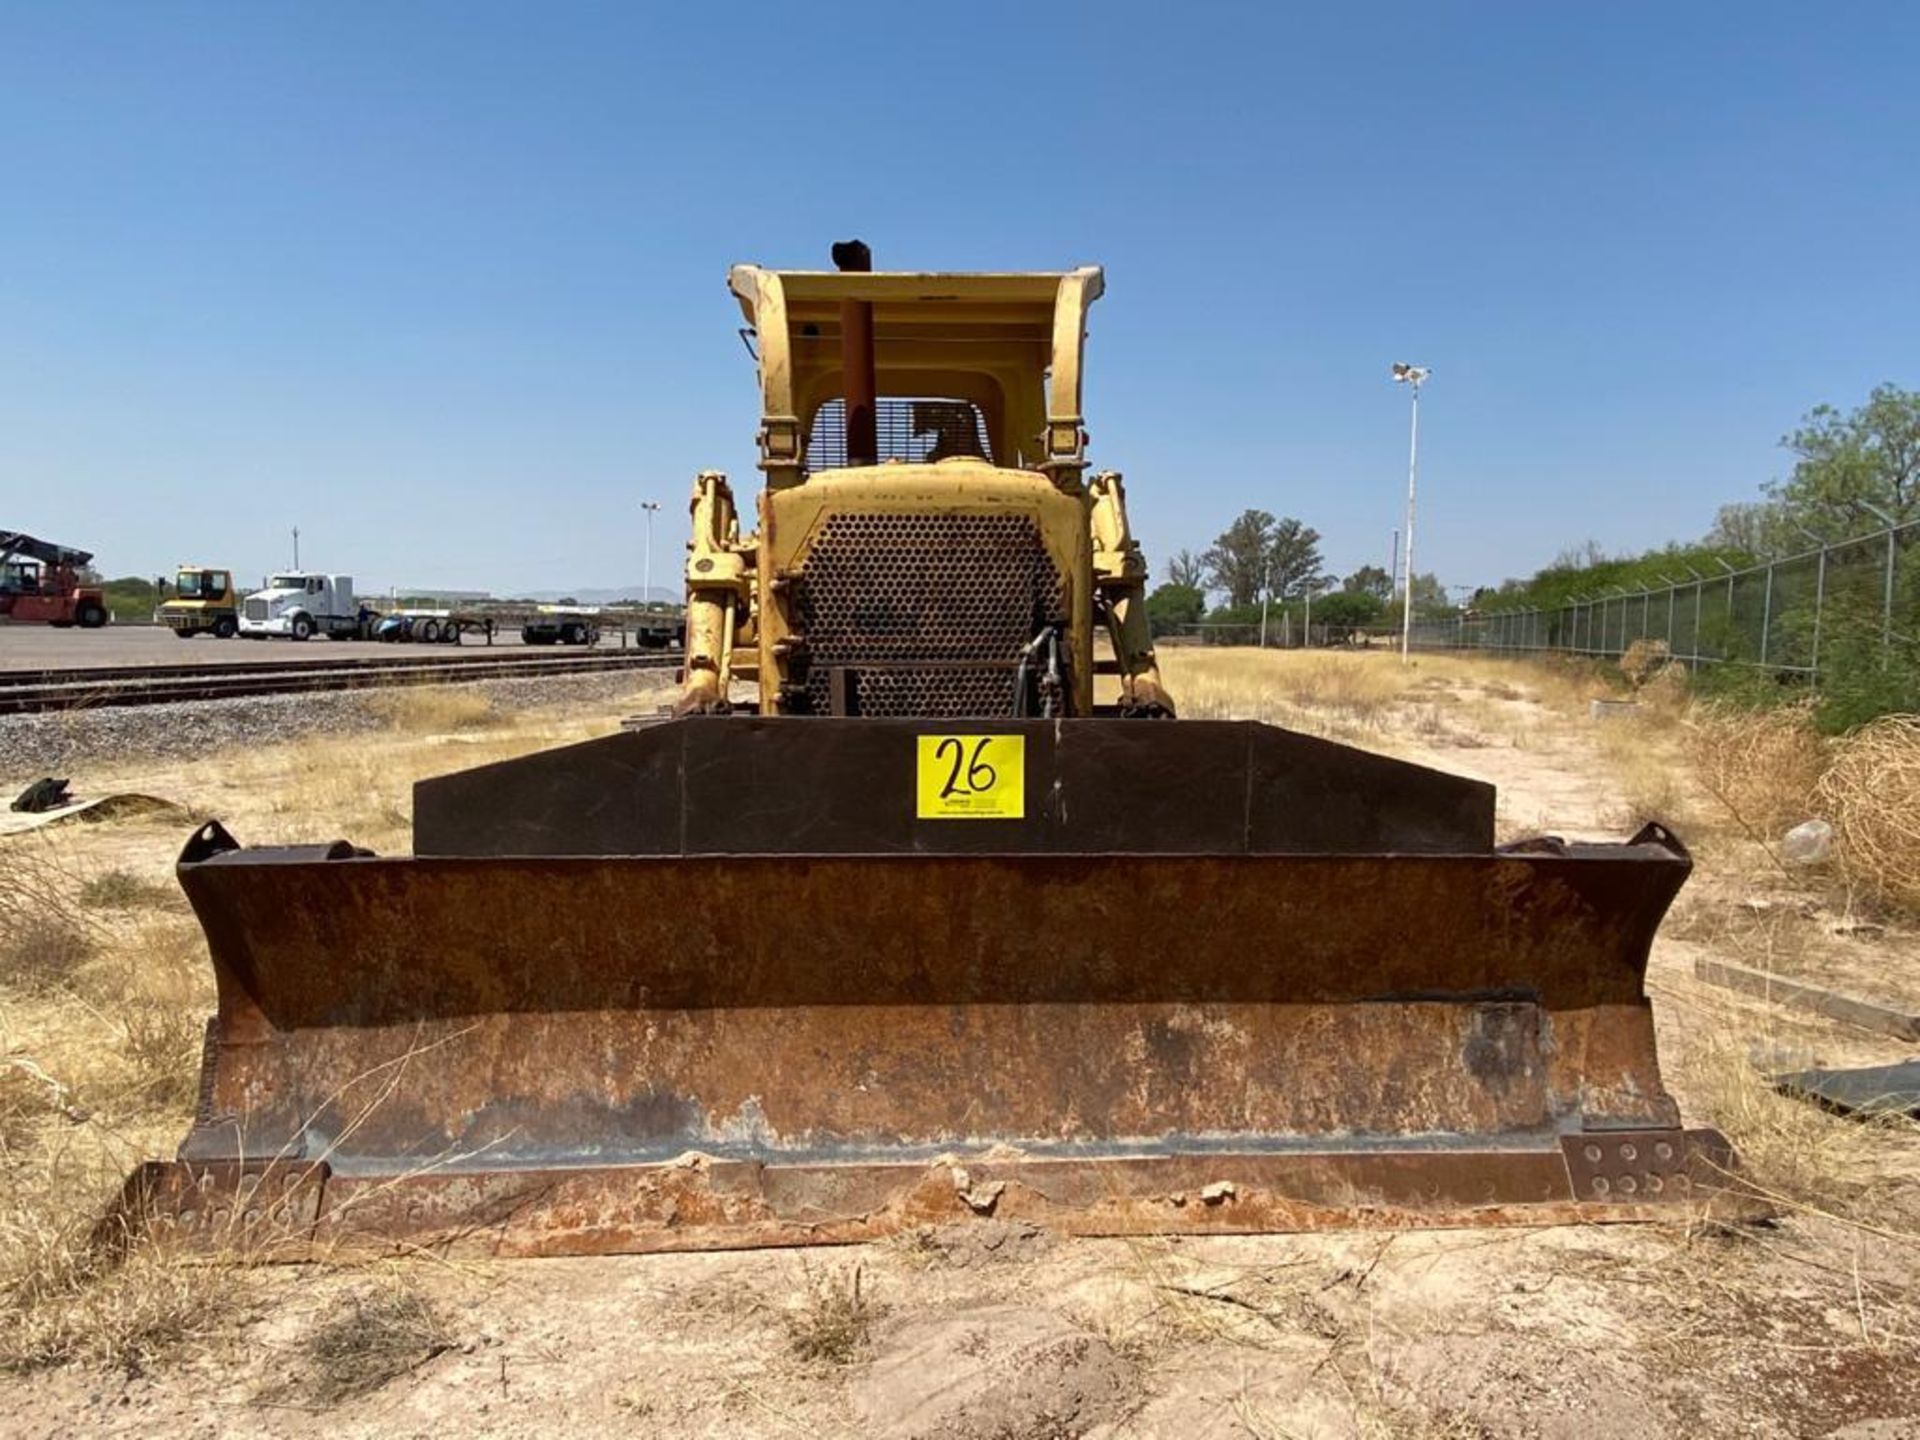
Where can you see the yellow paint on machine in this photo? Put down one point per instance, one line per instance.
(971, 777)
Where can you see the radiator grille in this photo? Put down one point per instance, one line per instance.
(926, 614)
(256, 609)
(910, 430)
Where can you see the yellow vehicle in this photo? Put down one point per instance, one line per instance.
(922, 908)
(204, 603)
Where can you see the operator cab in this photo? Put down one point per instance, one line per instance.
(20, 577)
(195, 583)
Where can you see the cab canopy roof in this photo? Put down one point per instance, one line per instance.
(18, 542)
(1008, 344)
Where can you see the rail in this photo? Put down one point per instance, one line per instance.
(25, 692)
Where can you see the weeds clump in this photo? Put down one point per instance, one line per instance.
(367, 1342)
(1871, 792)
(831, 1321)
(70, 1307)
(44, 937)
(1651, 785)
(1762, 767)
(74, 1292)
(435, 710)
(45, 954)
(162, 1046)
(123, 890)
(1791, 1151)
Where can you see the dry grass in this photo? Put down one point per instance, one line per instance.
(104, 989)
(830, 1321)
(1761, 768)
(1796, 1154)
(435, 710)
(119, 889)
(99, 1037)
(1871, 791)
(1651, 780)
(66, 1303)
(1321, 692)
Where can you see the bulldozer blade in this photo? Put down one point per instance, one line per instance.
(664, 1051)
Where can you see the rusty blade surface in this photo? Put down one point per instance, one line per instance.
(293, 1211)
(396, 1018)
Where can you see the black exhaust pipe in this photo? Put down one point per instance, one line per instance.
(856, 358)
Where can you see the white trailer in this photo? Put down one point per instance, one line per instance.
(300, 604)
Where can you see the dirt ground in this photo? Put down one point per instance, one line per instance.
(1805, 1326)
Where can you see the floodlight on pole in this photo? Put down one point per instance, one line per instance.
(647, 590)
(1413, 376)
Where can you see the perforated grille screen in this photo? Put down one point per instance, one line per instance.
(914, 430)
(926, 614)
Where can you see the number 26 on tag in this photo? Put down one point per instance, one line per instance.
(971, 777)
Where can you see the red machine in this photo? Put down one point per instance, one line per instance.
(40, 584)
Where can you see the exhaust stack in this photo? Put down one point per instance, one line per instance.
(856, 357)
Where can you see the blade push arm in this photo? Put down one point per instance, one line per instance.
(719, 595)
(1120, 585)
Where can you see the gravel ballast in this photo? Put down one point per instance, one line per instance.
(59, 742)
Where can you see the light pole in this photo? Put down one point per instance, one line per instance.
(647, 590)
(1414, 376)
(1266, 592)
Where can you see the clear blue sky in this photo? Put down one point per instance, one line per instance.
(443, 283)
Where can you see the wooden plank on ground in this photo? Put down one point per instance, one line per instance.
(1799, 995)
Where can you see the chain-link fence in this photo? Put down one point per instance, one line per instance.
(1831, 606)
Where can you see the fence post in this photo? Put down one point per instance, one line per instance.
(1699, 589)
(1766, 613)
(1886, 603)
(1727, 654)
(1819, 604)
(1886, 599)
(1670, 588)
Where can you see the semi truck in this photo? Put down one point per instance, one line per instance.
(301, 604)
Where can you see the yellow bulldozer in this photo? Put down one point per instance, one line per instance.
(895, 920)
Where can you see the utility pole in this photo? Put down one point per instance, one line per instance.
(1266, 592)
(649, 506)
(296, 549)
(1414, 376)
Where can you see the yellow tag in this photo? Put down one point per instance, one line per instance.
(972, 777)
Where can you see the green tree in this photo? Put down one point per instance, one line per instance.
(1236, 562)
(1258, 550)
(1368, 580)
(1430, 596)
(1751, 527)
(1294, 552)
(1186, 571)
(1850, 465)
(1171, 606)
(1349, 607)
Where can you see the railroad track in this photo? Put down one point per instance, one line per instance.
(26, 692)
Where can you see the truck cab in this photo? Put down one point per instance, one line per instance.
(302, 604)
(204, 602)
